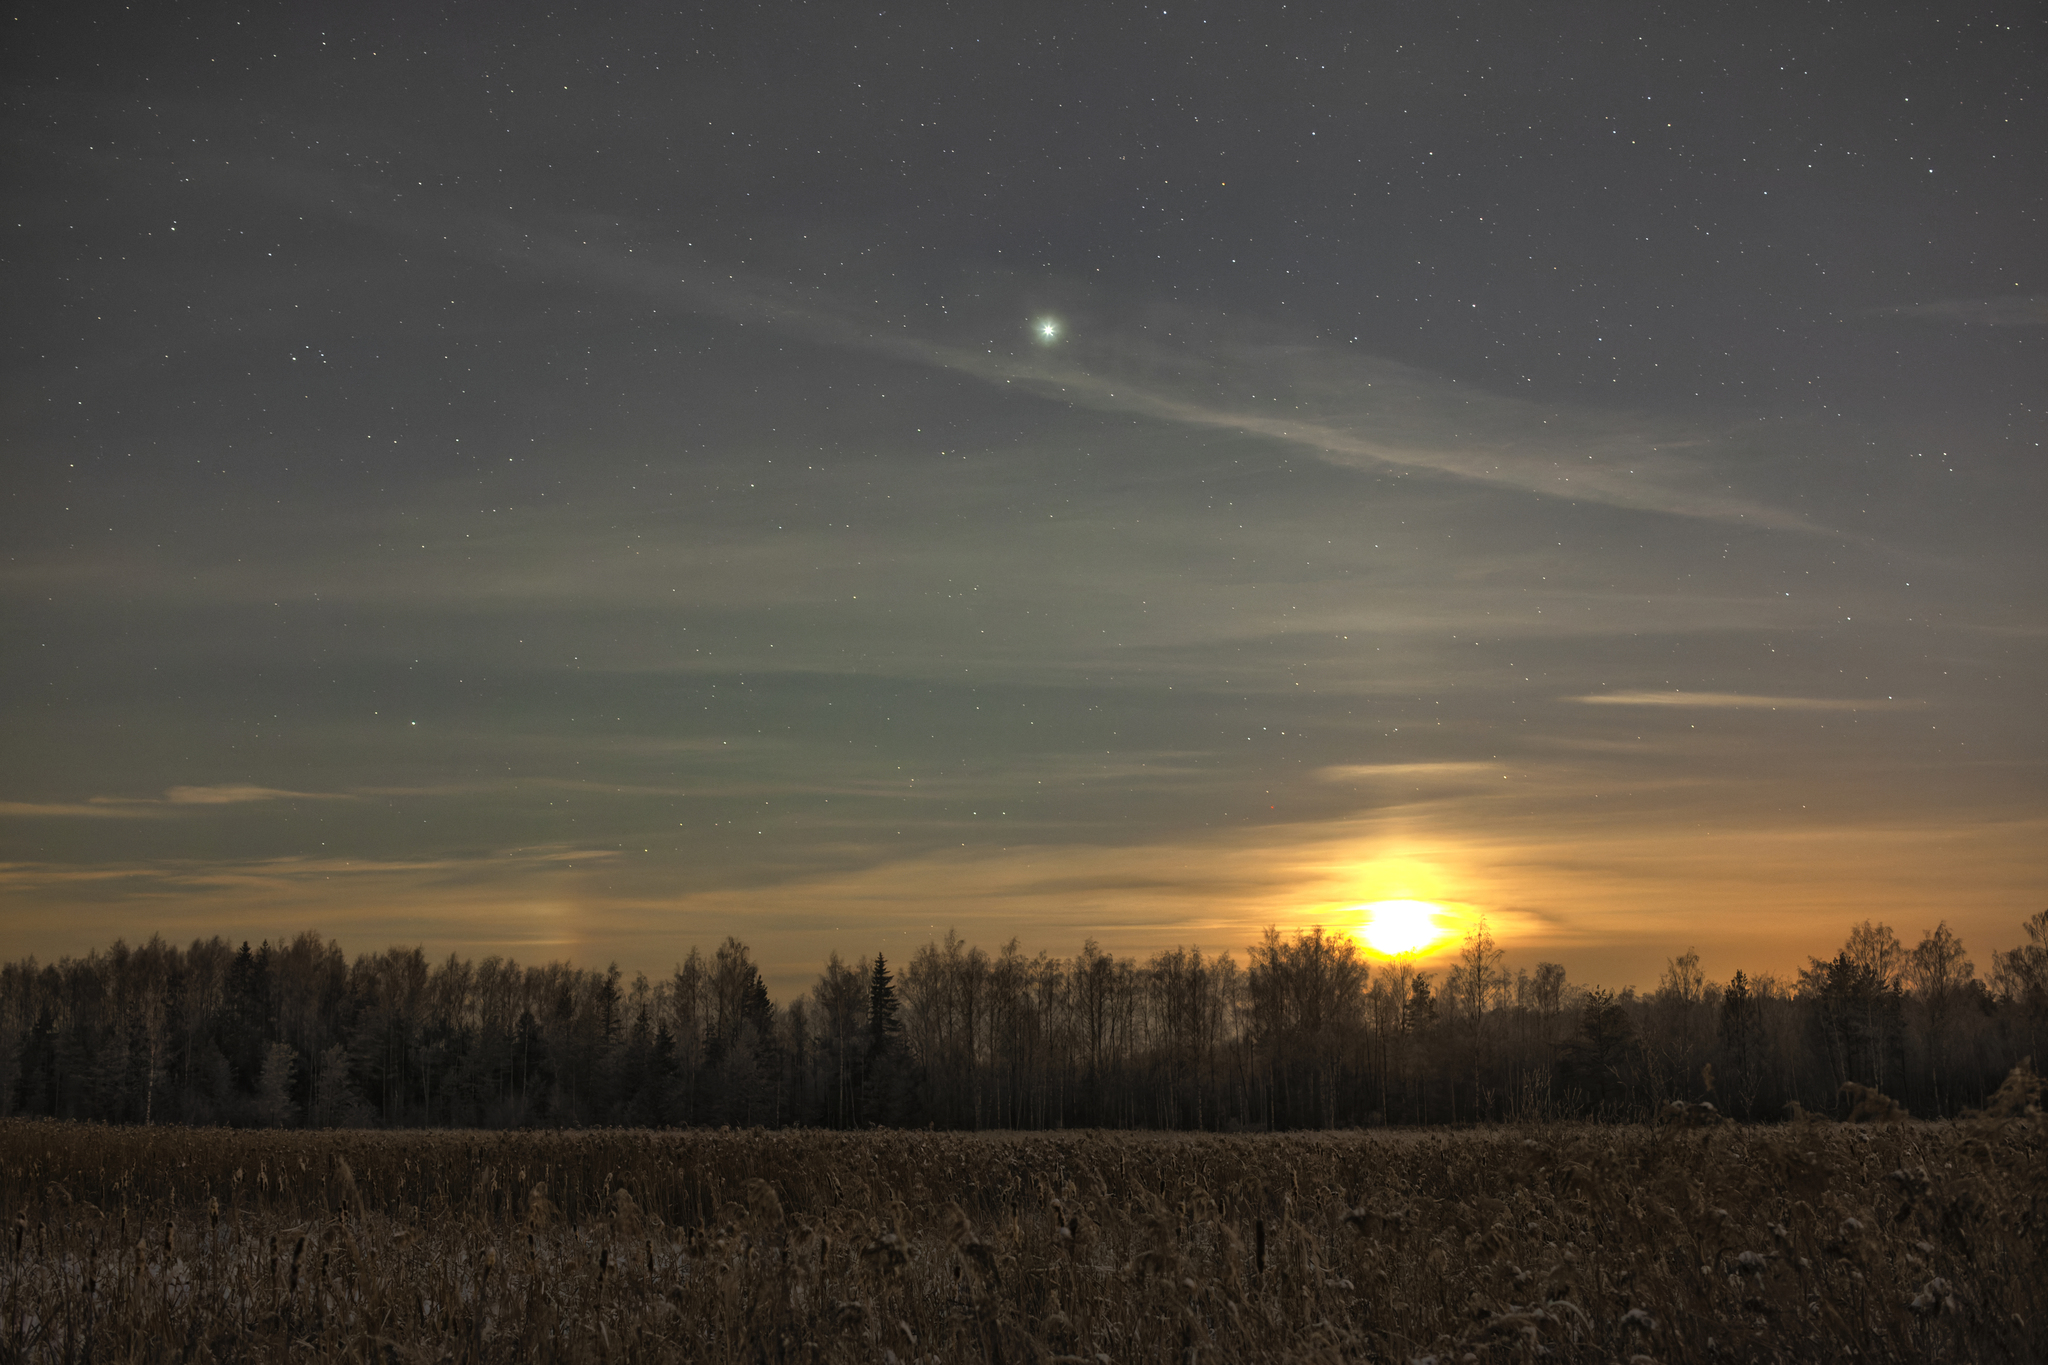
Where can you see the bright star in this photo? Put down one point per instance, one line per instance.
(1048, 329)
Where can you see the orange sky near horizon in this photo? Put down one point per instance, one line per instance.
(1611, 903)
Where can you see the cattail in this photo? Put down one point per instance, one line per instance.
(627, 1215)
(539, 1211)
(345, 1185)
(761, 1195)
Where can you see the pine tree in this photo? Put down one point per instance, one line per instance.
(1740, 1025)
(1421, 1004)
(883, 1027)
(882, 1099)
(242, 1030)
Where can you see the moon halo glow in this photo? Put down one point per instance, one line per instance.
(1400, 928)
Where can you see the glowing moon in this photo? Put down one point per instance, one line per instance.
(1396, 928)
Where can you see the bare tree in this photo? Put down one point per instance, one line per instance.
(2020, 977)
(1876, 947)
(1939, 970)
(1484, 980)
(840, 1000)
(1680, 1020)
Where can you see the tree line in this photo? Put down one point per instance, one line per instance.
(1304, 1032)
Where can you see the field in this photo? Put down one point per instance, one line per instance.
(1807, 1241)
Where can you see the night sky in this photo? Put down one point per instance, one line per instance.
(585, 484)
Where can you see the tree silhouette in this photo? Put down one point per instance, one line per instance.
(1298, 1032)
(883, 1026)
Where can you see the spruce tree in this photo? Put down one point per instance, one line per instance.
(883, 1027)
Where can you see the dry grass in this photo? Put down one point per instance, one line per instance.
(1806, 1242)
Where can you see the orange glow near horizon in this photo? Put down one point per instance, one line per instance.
(1403, 928)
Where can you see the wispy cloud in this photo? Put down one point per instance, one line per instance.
(1362, 412)
(2012, 311)
(1311, 395)
(1360, 772)
(235, 795)
(91, 810)
(278, 873)
(1743, 701)
(1346, 409)
(149, 807)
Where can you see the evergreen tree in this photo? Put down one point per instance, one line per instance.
(243, 1030)
(338, 1105)
(883, 1027)
(1599, 1063)
(763, 1100)
(884, 1084)
(1421, 1004)
(166, 1035)
(1741, 1027)
(1857, 1019)
(662, 1079)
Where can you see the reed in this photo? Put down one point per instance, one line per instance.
(1885, 1241)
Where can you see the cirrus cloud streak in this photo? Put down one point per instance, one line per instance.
(1743, 701)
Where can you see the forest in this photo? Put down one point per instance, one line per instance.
(1304, 1032)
